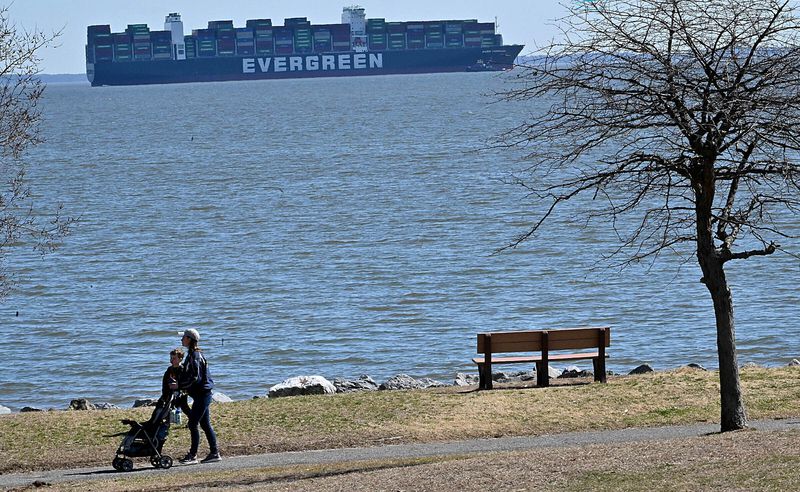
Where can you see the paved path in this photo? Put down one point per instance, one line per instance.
(472, 446)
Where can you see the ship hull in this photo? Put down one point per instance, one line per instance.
(299, 66)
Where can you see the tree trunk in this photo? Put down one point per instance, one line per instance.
(732, 415)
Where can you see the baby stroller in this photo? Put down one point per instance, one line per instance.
(146, 438)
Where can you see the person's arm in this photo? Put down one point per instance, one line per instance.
(190, 373)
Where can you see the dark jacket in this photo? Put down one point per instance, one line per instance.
(171, 374)
(195, 379)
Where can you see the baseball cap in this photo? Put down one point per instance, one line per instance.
(191, 333)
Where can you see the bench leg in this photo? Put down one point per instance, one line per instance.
(484, 377)
(542, 375)
(599, 369)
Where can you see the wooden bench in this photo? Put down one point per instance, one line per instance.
(544, 342)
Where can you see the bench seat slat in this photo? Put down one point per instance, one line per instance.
(538, 358)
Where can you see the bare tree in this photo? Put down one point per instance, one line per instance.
(20, 93)
(682, 115)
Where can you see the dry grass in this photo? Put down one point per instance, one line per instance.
(747, 460)
(740, 461)
(69, 439)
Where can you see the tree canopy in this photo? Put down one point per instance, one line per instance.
(20, 93)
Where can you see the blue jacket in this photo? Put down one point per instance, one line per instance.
(195, 379)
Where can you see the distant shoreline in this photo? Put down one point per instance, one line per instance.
(64, 78)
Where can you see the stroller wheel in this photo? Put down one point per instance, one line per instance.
(117, 463)
(126, 465)
(165, 462)
(155, 461)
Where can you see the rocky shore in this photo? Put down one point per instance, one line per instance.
(318, 385)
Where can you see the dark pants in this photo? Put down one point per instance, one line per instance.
(201, 415)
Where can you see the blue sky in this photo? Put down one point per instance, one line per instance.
(521, 21)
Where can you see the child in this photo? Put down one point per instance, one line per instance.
(170, 379)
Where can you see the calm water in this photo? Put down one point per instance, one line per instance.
(331, 226)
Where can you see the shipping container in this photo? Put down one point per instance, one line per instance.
(191, 46)
(262, 29)
(226, 47)
(434, 35)
(341, 46)
(453, 40)
(472, 35)
(454, 27)
(296, 22)
(102, 38)
(206, 44)
(264, 45)
(376, 41)
(123, 48)
(322, 39)
(142, 51)
(245, 33)
(259, 24)
(223, 28)
(303, 40)
(103, 52)
(245, 41)
(376, 26)
(137, 29)
(340, 36)
(397, 41)
(161, 37)
(204, 34)
(284, 40)
(99, 29)
(434, 27)
(93, 31)
(415, 35)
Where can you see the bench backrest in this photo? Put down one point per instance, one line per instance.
(539, 340)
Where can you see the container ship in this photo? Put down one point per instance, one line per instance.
(260, 50)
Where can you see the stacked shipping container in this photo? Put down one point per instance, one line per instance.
(376, 34)
(162, 44)
(99, 43)
(262, 33)
(415, 35)
(303, 39)
(296, 36)
(397, 35)
(245, 42)
(434, 35)
(142, 46)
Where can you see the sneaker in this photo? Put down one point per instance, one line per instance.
(189, 459)
(211, 458)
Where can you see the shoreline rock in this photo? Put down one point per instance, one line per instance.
(302, 385)
(310, 385)
(363, 383)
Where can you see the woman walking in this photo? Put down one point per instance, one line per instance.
(196, 381)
